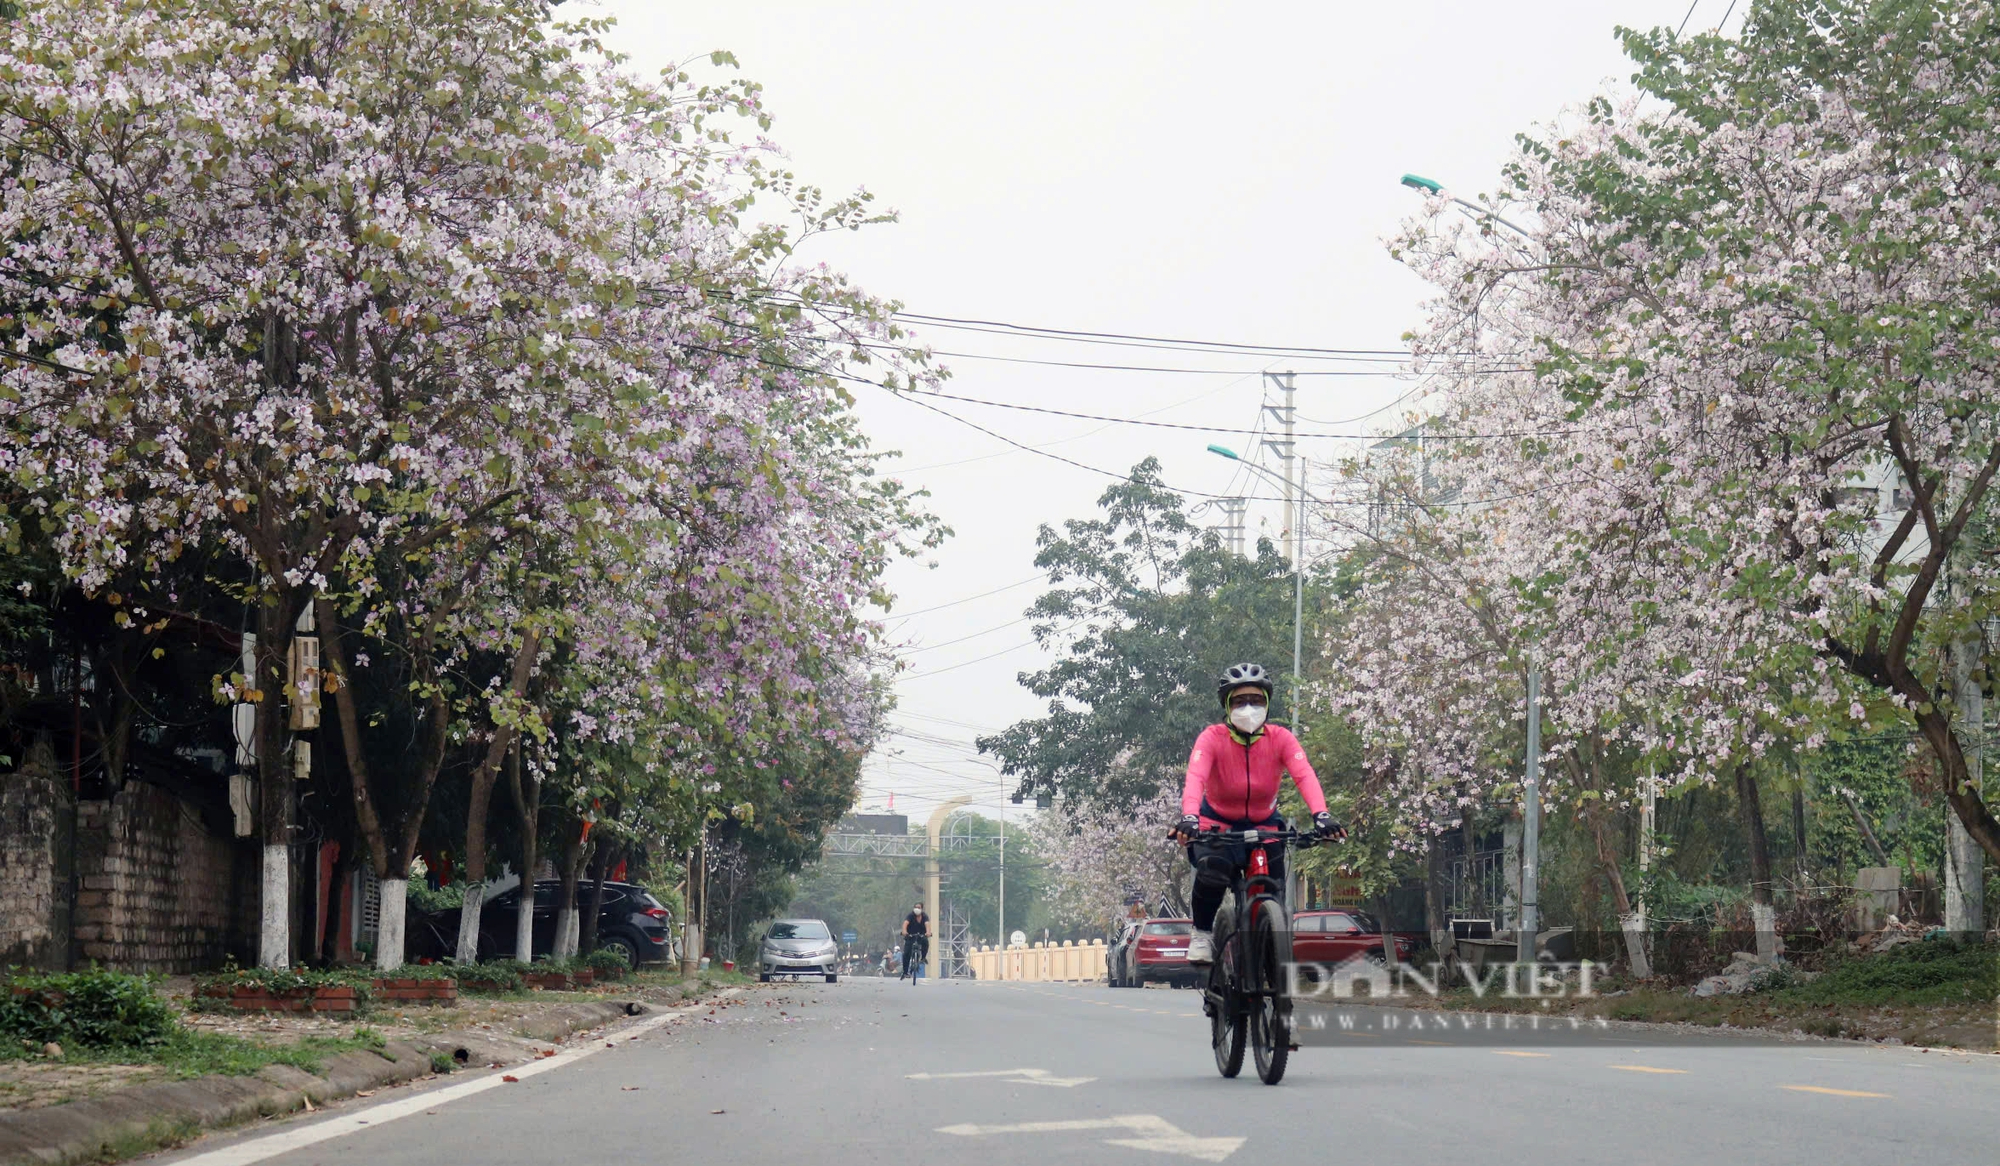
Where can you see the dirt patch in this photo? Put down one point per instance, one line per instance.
(503, 1027)
(32, 1084)
(398, 1021)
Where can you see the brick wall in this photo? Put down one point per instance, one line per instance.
(34, 871)
(157, 892)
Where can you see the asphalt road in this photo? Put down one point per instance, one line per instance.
(1030, 1074)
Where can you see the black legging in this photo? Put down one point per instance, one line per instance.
(915, 948)
(1209, 857)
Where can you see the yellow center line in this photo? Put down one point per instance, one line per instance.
(1834, 1092)
(1644, 1069)
(1439, 1043)
(1513, 1053)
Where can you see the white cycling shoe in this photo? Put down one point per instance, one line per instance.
(1200, 949)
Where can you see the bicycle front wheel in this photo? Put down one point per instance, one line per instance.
(1226, 1021)
(1270, 954)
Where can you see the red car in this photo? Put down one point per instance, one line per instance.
(1157, 952)
(1334, 937)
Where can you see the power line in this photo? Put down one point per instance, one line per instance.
(1032, 329)
(1685, 19)
(972, 636)
(918, 400)
(970, 598)
(1091, 417)
(1167, 408)
(947, 721)
(969, 663)
(1199, 347)
(1229, 429)
(1036, 331)
(1406, 395)
(1167, 369)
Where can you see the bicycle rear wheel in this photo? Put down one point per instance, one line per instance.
(1225, 1007)
(1270, 1018)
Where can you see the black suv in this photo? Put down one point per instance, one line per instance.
(633, 922)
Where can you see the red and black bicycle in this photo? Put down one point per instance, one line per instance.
(1247, 998)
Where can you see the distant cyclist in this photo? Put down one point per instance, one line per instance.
(916, 941)
(1232, 783)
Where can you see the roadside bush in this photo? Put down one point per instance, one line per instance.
(491, 976)
(432, 900)
(1943, 970)
(607, 962)
(281, 980)
(93, 1009)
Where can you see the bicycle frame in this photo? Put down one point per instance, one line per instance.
(1246, 890)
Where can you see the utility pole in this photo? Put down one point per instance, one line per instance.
(1293, 543)
(1233, 510)
(691, 907)
(1531, 821)
(1285, 447)
(1964, 861)
(1000, 916)
(1648, 838)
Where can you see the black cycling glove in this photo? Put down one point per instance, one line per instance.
(1325, 826)
(1190, 825)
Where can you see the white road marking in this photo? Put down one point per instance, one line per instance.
(1158, 1134)
(285, 1141)
(1021, 1076)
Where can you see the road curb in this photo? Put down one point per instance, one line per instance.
(146, 1117)
(149, 1117)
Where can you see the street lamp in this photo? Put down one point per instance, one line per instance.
(1531, 784)
(1298, 574)
(1428, 186)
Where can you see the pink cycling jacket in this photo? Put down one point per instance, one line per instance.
(1239, 783)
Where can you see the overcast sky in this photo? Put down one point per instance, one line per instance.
(1215, 172)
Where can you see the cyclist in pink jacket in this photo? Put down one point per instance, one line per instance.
(1232, 783)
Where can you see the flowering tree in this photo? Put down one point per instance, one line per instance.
(1099, 854)
(389, 299)
(1722, 410)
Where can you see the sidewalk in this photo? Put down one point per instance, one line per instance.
(57, 1112)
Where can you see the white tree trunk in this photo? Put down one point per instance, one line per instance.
(566, 933)
(1964, 861)
(1634, 926)
(1765, 918)
(274, 939)
(389, 925)
(468, 923)
(524, 925)
(691, 947)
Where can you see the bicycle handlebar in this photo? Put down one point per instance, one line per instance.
(1256, 835)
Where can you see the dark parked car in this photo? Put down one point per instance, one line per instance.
(1334, 937)
(632, 922)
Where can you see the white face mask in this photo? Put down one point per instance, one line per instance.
(1247, 718)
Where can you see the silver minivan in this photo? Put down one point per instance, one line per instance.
(798, 947)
